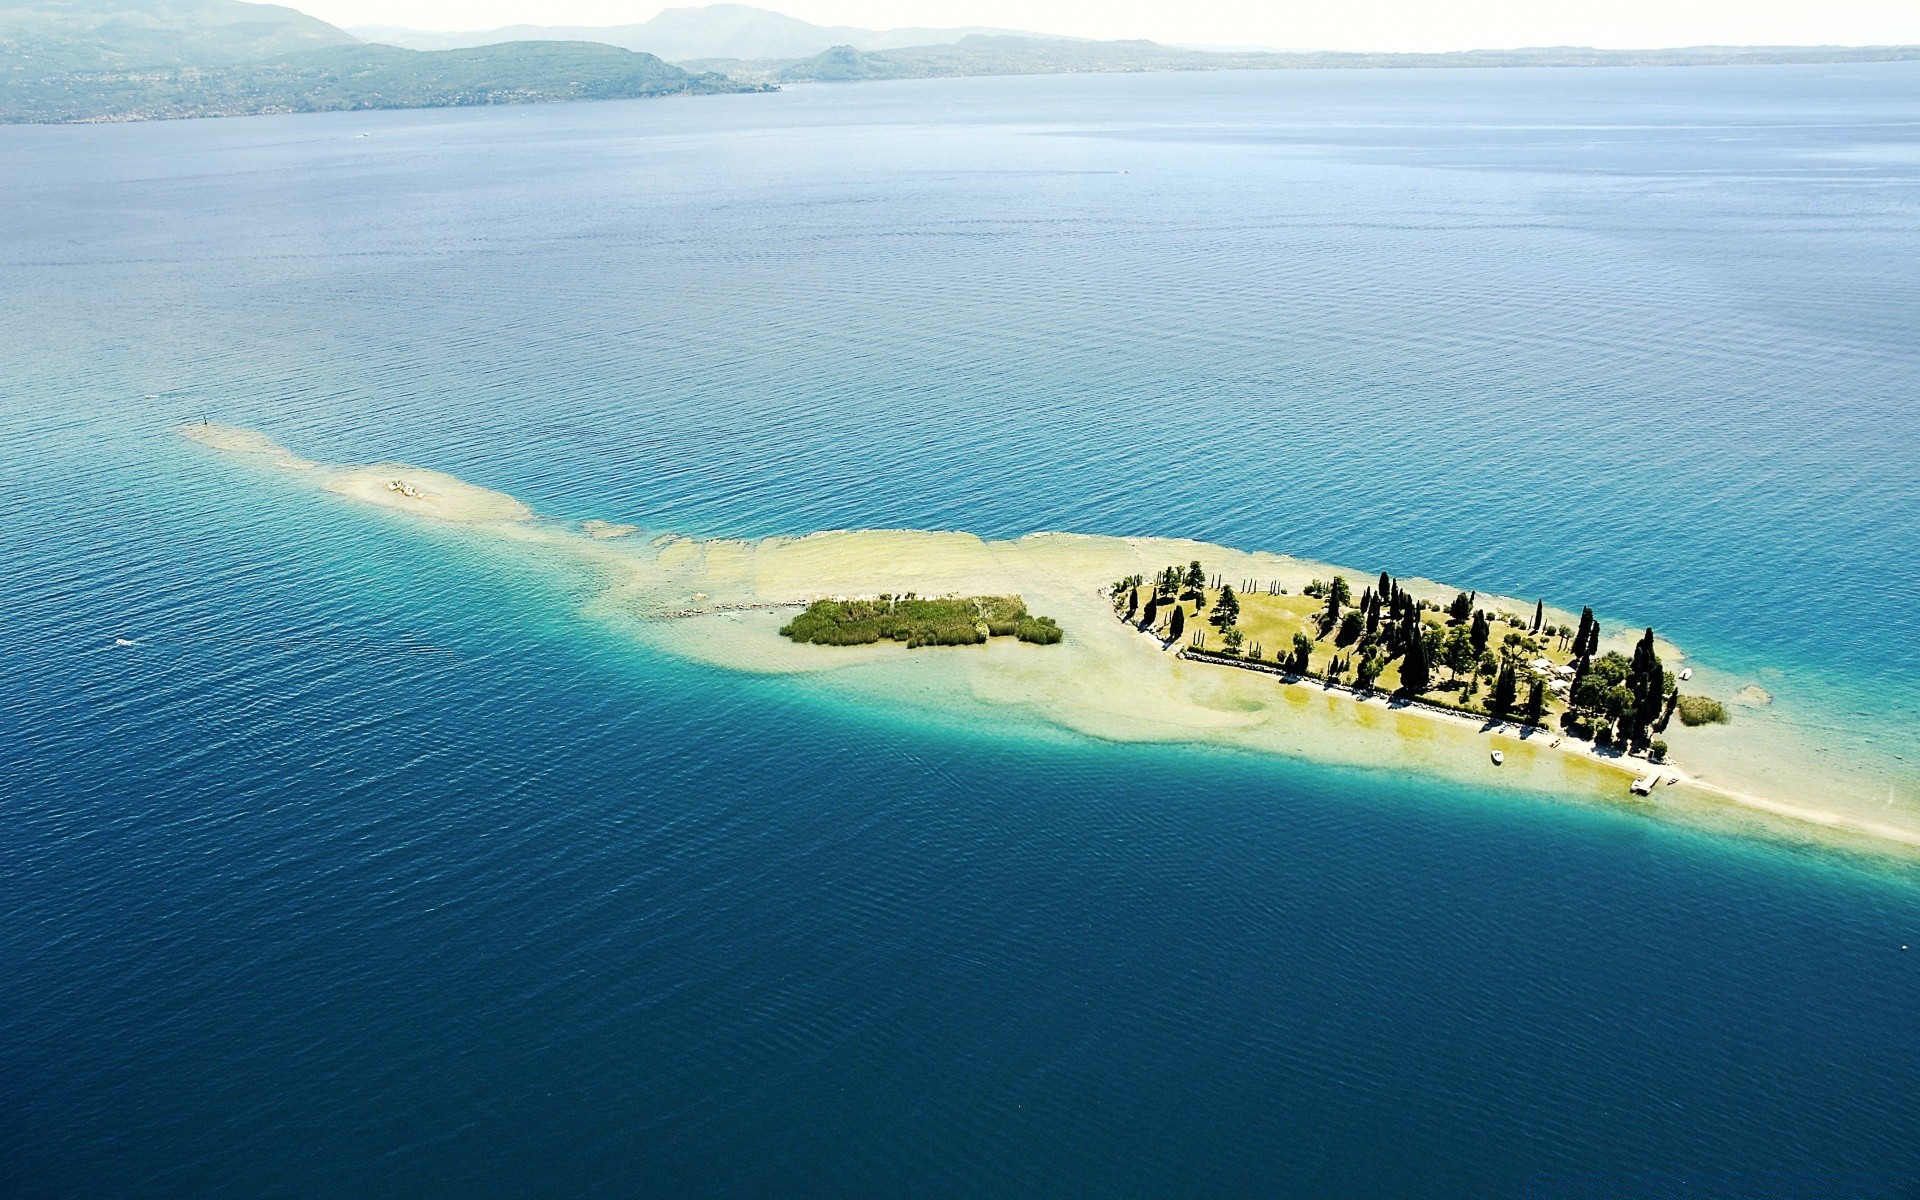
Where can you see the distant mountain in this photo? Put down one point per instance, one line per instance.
(734, 31)
(1019, 55)
(46, 36)
(125, 60)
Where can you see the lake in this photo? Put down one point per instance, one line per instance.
(375, 867)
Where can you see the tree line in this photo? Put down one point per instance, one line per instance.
(1627, 699)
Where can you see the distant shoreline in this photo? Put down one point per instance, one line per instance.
(980, 57)
(377, 77)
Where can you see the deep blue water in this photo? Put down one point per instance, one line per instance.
(376, 870)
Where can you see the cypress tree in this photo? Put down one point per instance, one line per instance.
(1539, 614)
(1645, 680)
(1580, 635)
(1666, 715)
(1481, 631)
(1133, 602)
(1177, 624)
(1153, 607)
(1504, 688)
(1537, 702)
(1414, 674)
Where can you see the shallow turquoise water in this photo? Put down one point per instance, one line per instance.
(374, 869)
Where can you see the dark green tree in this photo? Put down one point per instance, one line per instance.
(1196, 577)
(1350, 627)
(1456, 652)
(1504, 693)
(1133, 603)
(1537, 702)
(1414, 672)
(1152, 610)
(1646, 685)
(1302, 654)
(1587, 641)
(1480, 633)
(1539, 614)
(1176, 624)
(1368, 672)
(1580, 634)
(1666, 714)
(1461, 608)
(1226, 610)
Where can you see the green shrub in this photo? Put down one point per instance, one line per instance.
(952, 621)
(1041, 631)
(1700, 710)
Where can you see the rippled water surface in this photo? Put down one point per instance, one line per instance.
(373, 869)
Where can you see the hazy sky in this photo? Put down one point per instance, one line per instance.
(1344, 25)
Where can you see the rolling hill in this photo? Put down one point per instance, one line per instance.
(46, 36)
(123, 60)
(733, 31)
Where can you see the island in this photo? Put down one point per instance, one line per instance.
(1255, 651)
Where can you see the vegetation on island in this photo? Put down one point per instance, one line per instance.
(946, 621)
(1464, 655)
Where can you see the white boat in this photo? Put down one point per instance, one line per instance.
(1686, 673)
(1498, 758)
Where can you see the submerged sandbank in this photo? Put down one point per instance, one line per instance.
(722, 602)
